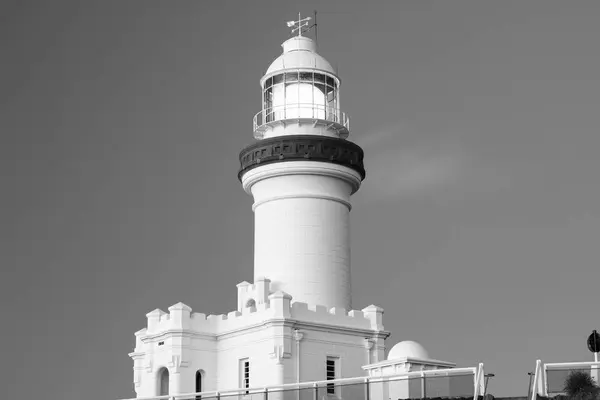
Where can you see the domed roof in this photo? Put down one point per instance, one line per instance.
(409, 349)
(299, 52)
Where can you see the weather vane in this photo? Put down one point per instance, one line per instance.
(299, 25)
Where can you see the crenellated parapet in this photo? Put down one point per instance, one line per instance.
(369, 318)
(256, 305)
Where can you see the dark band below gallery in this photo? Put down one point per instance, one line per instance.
(302, 148)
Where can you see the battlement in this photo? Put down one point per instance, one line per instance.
(370, 317)
(256, 305)
(253, 294)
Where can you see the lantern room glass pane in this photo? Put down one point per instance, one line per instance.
(277, 110)
(330, 81)
(268, 98)
(306, 76)
(301, 100)
(322, 88)
(291, 77)
(330, 96)
(320, 78)
(332, 112)
(269, 82)
(277, 79)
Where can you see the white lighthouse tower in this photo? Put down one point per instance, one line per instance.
(301, 174)
(295, 322)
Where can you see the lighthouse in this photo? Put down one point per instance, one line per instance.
(295, 322)
(301, 173)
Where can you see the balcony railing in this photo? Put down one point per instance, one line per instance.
(301, 111)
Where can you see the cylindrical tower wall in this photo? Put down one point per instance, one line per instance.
(302, 234)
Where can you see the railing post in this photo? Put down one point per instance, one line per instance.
(545, 380)
(218, 396)
(315, 392)
(266, 393)
(536, 379)
(477, 380)
(367, 390)
(423, 386)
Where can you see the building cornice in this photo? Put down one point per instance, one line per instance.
(292, 323)
(409, 360)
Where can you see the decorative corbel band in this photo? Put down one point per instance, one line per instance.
(302, 148)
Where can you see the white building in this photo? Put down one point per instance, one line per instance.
(295, 322)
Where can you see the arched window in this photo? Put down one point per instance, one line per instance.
(199, 382)
(251, 303)
(163, 382)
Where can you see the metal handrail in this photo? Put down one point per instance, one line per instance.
(558, 366)
(322, 384)
(299, 110)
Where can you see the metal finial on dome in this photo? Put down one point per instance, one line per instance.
(299, 25)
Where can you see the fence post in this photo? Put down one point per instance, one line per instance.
(536, 379)
(367, 390)
(545, 380)
(266, 393)
(478, 378)
(315, 392)
(423, 386)
(218, 396)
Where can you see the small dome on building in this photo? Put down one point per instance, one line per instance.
(300, 52)
(409, 349)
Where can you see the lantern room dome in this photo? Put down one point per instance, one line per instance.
(299, 52)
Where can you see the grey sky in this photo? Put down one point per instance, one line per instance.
(477, 228)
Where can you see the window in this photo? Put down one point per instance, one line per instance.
(331, 373)
(251, 303)
(163, 382)
(245, 374)
(199, 378)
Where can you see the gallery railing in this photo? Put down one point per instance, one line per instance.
(301, 111)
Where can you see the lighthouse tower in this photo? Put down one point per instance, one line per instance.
(301, 173)
(294, 323)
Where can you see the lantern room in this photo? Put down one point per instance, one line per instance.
(300, 95)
